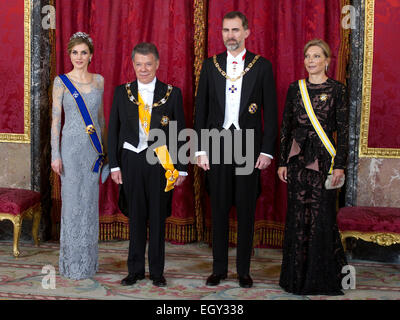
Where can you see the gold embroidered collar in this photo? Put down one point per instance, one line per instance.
(247, 69)
(156, 104)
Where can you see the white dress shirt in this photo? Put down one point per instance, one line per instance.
(234, 67)
(146, 92)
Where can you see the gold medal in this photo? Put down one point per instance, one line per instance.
(253, 108)
(323, 97)
(164, 121)
(90, 129)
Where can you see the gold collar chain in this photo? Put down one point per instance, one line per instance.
(243, 72)
(156, 104)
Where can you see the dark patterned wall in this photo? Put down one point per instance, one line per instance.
(40, 110)
(355, 99)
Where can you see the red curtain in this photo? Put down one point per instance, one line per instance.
(279, 30)
(116, 26)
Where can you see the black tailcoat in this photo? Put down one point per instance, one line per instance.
(124, 119)
(257, 87)
(142, 195)
(225, 187)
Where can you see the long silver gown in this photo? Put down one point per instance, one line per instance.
(79, 185)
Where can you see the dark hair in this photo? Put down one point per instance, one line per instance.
(145, 48)
(237, 14)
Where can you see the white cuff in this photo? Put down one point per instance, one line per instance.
(115, 169)
(200, 153)
(266, 154)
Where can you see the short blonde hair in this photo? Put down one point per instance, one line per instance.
(319, 43)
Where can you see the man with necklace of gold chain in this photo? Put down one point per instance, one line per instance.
(236, 93)
(139, 107)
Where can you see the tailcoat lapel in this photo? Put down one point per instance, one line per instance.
(134, 89)
(159, 93)
(220, 80)
(248, 82)
(134, 108)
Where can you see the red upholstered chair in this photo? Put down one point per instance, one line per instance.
(380, 225)
(17, 204)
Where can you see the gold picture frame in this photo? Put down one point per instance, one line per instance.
(26, 136)
(364, 150)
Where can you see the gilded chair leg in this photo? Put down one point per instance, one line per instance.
(35, 227)
(17, 232)
(343, 242)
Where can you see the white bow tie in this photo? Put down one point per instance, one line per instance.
(148, 89)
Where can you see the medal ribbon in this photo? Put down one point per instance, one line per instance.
(144, 115)
(171, 174)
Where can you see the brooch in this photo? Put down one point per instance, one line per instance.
(164, 121)
(253, 108)
(323, 97)
(90, 129)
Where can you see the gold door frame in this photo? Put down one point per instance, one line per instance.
(26, 136)
(364, 150)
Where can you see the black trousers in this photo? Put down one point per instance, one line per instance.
(228, 189)
(147, 202)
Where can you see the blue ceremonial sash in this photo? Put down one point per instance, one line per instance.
(87, 119)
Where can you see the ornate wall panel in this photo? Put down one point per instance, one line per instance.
(380, 132)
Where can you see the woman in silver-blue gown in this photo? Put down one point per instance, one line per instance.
(73, 161)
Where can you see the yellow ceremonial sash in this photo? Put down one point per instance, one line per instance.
(314, 121)
(144, 115)
(171, 174)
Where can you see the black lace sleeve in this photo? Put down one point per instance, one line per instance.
(342, 125)
(286, 127)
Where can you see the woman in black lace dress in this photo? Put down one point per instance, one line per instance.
(313, 256)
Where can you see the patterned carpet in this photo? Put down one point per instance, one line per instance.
(187, 267)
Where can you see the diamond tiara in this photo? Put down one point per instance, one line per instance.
(81, 35)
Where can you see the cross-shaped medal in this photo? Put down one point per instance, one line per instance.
(233, 89)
